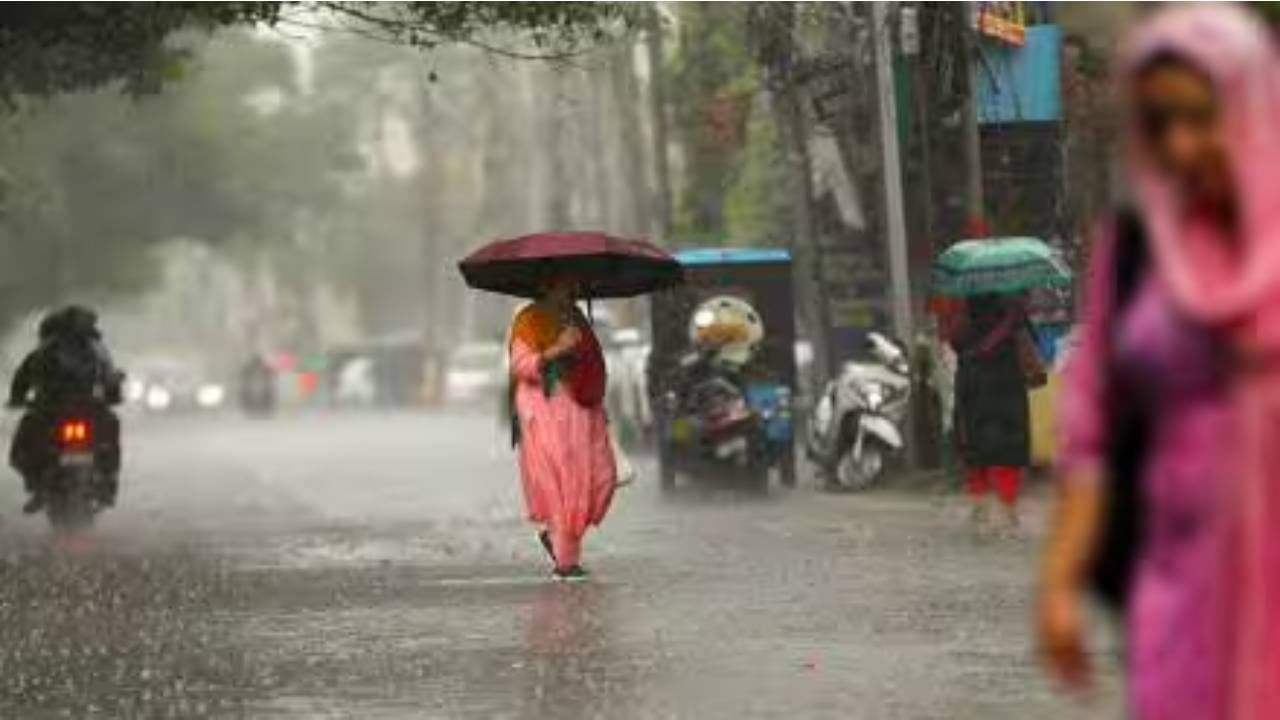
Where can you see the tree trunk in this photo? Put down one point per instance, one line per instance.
(658, 119)
(558, 187)
(598, 208)
(635, 217)
(794, 139)
(789, 114)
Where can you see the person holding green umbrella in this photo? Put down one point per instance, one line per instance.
(998, 266)
(996, 361)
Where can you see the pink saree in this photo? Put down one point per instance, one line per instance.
(566, 462)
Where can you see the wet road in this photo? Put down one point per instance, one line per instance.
(375, 566)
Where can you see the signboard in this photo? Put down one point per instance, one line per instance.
(853, 298)
(1024, 83)
(1003, 21)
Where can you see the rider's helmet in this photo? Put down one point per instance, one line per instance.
(80, 320)
(70, 320)
(728, 326)
(50, 325)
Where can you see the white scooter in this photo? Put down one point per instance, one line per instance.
(856, 425)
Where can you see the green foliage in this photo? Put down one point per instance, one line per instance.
(49, 48)
(752, 203)
(554, 27)
(95, 180)
(233, 153)
(716, 79)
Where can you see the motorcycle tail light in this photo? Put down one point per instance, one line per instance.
(74, 432)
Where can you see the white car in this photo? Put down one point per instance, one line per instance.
(356, 385)
(476, 371)
(176, 394)
(628, 393)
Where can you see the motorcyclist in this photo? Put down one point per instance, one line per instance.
(257, 386)
(70, 367)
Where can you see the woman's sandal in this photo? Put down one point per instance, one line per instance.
(574, 573)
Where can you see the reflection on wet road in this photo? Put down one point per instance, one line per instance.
(375, 566)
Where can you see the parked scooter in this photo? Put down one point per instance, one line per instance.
(722, 423)
(856, 425)
(723, 411)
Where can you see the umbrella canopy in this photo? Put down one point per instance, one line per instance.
(607, 267)
(998, 265)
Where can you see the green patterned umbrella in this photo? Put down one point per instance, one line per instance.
(998, 265)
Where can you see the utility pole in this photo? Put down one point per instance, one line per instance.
(974, 203)
(895, 220)
(895, 225)
(911, 49)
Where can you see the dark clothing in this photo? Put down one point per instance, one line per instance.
(992, 412)
(66, 370)
(257, 386)
(69, 373)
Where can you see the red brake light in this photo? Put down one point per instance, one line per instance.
(74, 432)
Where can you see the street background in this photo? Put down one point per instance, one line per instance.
(375, 565)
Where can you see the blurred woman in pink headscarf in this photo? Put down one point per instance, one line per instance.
(1181, 338)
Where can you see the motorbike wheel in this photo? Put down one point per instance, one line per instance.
(71, 510)
(861, 472)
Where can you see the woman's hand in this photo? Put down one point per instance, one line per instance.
(1072, 539)
(1060, 634)
(564, 344)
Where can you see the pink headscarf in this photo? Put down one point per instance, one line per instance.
(1233, 284)
(1238, 54)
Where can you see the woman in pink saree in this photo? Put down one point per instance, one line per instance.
(566, 462)
(1195, 349)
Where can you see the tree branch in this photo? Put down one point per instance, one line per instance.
(424, 33)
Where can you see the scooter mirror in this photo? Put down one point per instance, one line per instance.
(884, 348)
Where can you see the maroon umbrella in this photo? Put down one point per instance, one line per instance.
(607, 267)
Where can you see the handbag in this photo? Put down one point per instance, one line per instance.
(1116, 553)
(1033, 370)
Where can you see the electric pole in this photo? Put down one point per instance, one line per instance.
(974, 203)
(895, 222)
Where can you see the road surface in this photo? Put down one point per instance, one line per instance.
(375, 566)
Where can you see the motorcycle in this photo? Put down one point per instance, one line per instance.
(734, 310)
(717, 422)
(73, 482)
(856, 425)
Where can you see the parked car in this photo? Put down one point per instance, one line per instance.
(627, 396)
(355, 383)
(167, 390)
(476, 371)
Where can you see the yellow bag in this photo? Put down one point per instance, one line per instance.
(1043, 402)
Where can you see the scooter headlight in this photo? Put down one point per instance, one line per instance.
(874, 395)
